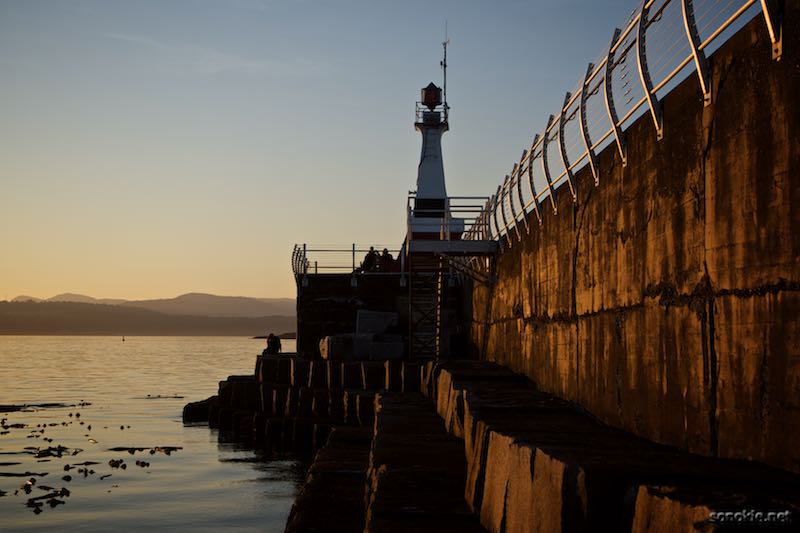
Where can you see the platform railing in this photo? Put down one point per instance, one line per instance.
(662, 43)
(464, 216)
(338, 259)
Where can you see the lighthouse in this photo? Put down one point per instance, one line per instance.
(430, 217)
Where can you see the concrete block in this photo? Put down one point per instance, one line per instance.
(275, 368)
(366, 409)
(758, 354)
(351, 407)
(427, 377)
(239, 392)
(657, 511)
(319, 374)
(361, 347)
(321, 434)
(242, 424)
(373, 375)
(273, 434)
(476, 466)
(305, 402)
(351, 376)
(259, 426)
(382, 351)
(226, 418)
(292, 402)
(321, 403)
(394, 375)
(495, 485)
(334, 369)
(374, 322)
(301, 372)
(265, 397)
(280, 394)
(346, 347)
(411, 376)
(336, 405)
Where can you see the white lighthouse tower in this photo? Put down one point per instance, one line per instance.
(430, 217)
(431, 123)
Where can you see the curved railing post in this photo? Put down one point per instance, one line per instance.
(531, 159)
(503, 209)
(610, 108)
(562, 147)
(514, 215)
(519, 191)
(545, 165)
(773, 16)
(494, 212)
(689, 24)
(644, 73)
(587, 143)
(486, 230)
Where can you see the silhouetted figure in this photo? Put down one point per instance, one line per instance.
(273, 344)
(370, 263)
(386, 261)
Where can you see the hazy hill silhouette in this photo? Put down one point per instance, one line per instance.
(80, 298)
(71, 318)
(195, 304)
(26, 298)
(210, 305)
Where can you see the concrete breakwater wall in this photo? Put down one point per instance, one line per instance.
(290, 403)
(535, 462)
(666, 300)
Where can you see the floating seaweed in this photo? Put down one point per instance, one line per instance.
(22, 474)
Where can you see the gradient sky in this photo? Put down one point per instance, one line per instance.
(153, 148)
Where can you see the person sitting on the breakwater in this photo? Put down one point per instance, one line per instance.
(386, 261)
(370, 263)
(273, 344)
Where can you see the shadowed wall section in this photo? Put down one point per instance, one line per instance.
(665, 301)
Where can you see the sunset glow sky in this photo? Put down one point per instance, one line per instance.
(153, 148)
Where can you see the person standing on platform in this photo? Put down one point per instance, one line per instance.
(273, 344)
(370, 263)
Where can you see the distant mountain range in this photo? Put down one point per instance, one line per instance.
(192, 304)
(78, 318)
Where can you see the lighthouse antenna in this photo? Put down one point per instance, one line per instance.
(443, 64)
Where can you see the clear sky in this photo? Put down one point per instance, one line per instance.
(153, 148)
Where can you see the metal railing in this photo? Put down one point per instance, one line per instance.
(663, 42)
(421, 109)
(334, 259)
(465, 216)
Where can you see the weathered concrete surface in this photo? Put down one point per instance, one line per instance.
(538, 463)
(332, 497)
(666, 300)
(666, 510)
(416, 472)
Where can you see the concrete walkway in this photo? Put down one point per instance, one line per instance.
(417, 471)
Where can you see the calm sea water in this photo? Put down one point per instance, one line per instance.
(129, 395)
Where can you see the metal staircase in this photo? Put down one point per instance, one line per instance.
(424, 300)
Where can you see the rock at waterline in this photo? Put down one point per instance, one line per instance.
(199, 411)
